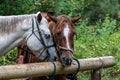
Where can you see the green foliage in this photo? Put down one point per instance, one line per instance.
(65, 7)
(9, 58)
(97, 9)
(99, 40)
(44, 5)
(95, 38)
(94, 9)
(13, 7)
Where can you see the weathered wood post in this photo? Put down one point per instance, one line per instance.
(47, 68)
(96, 74)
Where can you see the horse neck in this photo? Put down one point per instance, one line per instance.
(13, 39)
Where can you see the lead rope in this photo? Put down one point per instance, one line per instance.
(102, 65)
(54, 72)
(74, 76)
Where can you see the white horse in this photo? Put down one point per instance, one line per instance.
(31, 30)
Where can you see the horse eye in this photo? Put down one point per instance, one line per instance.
(47, 35)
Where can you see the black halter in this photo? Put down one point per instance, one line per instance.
(40, 38)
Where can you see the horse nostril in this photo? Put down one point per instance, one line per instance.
(67, 60)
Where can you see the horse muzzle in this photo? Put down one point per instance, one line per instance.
(66, 61)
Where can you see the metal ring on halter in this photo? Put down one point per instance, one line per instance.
(101, 59)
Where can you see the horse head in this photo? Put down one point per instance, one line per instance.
(63, 33)
(39, 39)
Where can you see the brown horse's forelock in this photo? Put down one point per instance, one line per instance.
(9, 24)
(62, 20)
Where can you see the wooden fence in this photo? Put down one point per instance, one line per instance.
(47, 68)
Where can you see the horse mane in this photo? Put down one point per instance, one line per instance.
(9, 24)
(62, 20)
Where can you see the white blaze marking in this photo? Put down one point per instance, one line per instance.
(66, 32)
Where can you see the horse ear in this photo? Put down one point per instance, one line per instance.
(39, 17)
(75, 19)
(53, 18)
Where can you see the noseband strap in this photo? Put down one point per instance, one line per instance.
(67, 49)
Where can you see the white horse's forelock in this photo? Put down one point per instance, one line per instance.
(45, 27)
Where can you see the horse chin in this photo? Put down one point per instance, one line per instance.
(65, 64)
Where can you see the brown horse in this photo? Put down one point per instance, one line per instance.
(63, 32)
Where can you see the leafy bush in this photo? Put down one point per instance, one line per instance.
(9, 58)
(99, 40)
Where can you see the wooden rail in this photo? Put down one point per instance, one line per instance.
(47, 68)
